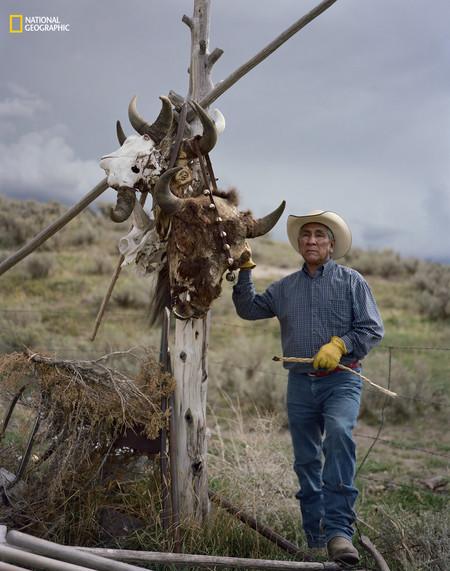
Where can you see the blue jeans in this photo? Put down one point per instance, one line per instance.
(322, 413)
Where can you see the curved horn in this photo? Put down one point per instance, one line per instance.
(160, 128)
(208, 140)
(263, 225)
(163, 196)
(120, 133)
(126, 199)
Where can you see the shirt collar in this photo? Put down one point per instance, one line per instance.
(322, 270)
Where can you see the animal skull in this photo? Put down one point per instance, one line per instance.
(201, 243)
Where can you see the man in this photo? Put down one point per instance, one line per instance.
(328, 312)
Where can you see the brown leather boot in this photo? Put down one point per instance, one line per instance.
(341, 550)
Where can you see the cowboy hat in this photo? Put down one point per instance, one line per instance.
(341, 232)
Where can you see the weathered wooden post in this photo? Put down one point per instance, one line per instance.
(191, 336)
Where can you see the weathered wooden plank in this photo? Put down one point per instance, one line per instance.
(201, 561)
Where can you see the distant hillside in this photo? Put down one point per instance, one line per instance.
(92, 233)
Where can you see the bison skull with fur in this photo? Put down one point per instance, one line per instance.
(197, 253)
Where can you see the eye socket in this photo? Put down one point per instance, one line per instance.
(135, 169)
(146, 137)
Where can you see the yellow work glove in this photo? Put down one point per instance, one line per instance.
(246, 262)
(330, 354)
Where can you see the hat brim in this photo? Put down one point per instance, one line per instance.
(340, 229)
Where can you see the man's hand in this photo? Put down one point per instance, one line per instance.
(330, 354)
(246, 262)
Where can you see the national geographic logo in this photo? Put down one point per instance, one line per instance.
(15, 23)
(19, 23)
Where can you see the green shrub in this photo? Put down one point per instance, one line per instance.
(38, 266)
(20, 330)
(132, 296)
(412, 381)
(433, 283)
(385, 263)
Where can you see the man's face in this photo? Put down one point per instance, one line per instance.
(314, 243)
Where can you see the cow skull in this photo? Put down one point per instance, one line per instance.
(138, 163)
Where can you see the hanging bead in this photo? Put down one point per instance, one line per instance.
(218, 219)
(226, 247)
(212, 206)
(206, 192)
(223, 234)
(230, 261)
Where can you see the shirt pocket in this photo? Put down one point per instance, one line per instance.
(338, 315)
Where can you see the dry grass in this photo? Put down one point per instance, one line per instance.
(84, 407)
(249, 448)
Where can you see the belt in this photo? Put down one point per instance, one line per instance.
(352, 365)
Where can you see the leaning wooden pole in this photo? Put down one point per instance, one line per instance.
(189, 355)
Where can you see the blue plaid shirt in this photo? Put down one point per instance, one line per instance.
(336, 301)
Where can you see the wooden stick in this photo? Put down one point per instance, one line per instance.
(112, 283)
(224, 85)
(201, 561)
(265, 531)
(370, 547)
(48, 232)
(343, 367)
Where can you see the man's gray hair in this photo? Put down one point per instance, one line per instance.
(330, 233)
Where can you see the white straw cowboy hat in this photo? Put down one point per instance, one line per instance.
(341, 232)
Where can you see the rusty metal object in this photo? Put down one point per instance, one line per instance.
(135, 439)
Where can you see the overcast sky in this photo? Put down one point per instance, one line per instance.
(352, 114)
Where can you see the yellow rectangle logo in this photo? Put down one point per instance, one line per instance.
(15, 23)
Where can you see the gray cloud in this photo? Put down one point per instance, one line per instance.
(23, 103)
(42, 166)
(352, 114)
